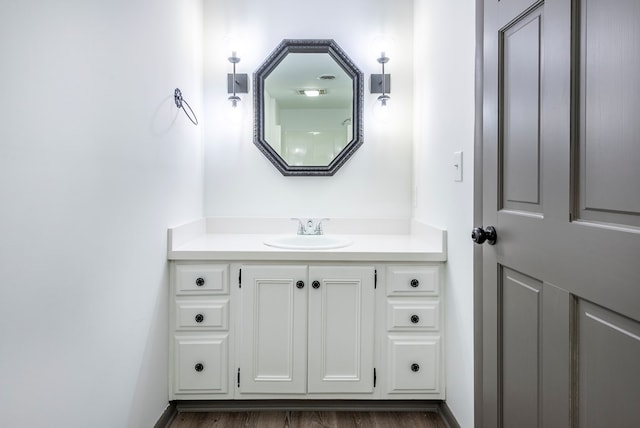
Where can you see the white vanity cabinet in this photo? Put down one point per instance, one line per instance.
(248, 330)
(306, 329)
(199, 322)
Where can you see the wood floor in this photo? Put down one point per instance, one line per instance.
(306, 419)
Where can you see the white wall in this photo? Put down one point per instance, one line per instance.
(239, 180)
(95, 164)
(444, 123)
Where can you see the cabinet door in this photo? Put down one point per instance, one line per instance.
(341, 330)
(273, 357)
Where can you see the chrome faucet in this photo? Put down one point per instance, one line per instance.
(310, 226)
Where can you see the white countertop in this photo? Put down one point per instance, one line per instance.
(204, 240)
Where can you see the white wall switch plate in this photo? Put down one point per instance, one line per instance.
(457, 166)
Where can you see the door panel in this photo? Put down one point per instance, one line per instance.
(561, 287)
(520, 136)
(520, 345)
(273, 347)
(341, 320)
(609, 101)
(608, 375)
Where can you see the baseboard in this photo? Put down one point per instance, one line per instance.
(167, 416)
(302, 405)
(447, 415)
(437, 406)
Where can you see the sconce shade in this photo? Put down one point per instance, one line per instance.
(234, 100)
(383, 99)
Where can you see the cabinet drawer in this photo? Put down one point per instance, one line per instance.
(200, 364)
(413, 280)
(201, 314)
(414, 364)
(202, 279)
(413, 315)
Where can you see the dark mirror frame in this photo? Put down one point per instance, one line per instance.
(307, 46)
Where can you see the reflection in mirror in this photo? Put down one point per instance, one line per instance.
(308, 103)
(308, 107)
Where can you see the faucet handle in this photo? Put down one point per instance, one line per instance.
(319, 225)
(301, 228)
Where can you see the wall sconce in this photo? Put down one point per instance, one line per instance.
(381, 83)
(236, 83)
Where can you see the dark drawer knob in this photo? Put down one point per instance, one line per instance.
(199, 318)
(415, 283)
(300, 284)
(415, 319)
(415, 367)
(199, 367)
(199, 282)
(315, 284)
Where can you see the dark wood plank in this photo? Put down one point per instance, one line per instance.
(308, 419)
(320, 419)
(266, 419)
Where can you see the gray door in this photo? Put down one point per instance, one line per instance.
(561, 185)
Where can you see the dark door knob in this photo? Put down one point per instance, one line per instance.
(415, 367)
(480, 235)
(315, 284)
(199, 318)
(199, 367)
(415, 319)
(200, 282)
(300, 284)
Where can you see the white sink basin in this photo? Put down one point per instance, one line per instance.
(308, 242)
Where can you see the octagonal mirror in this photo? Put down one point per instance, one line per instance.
(308, 107)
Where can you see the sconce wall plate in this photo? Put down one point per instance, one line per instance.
(377, 86)
(241, 83)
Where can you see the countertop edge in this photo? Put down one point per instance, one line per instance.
(319, 255)
(420, 243)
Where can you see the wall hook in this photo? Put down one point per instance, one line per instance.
(181, 102)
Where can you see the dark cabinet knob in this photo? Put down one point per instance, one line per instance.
(415, 319)
(415, 283)
(300, 284)
(315, 284)
(199, 318)
(199, 367)
(200, 282)
(415, 367)
(480, 235)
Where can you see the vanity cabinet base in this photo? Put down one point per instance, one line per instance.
(296, 331)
